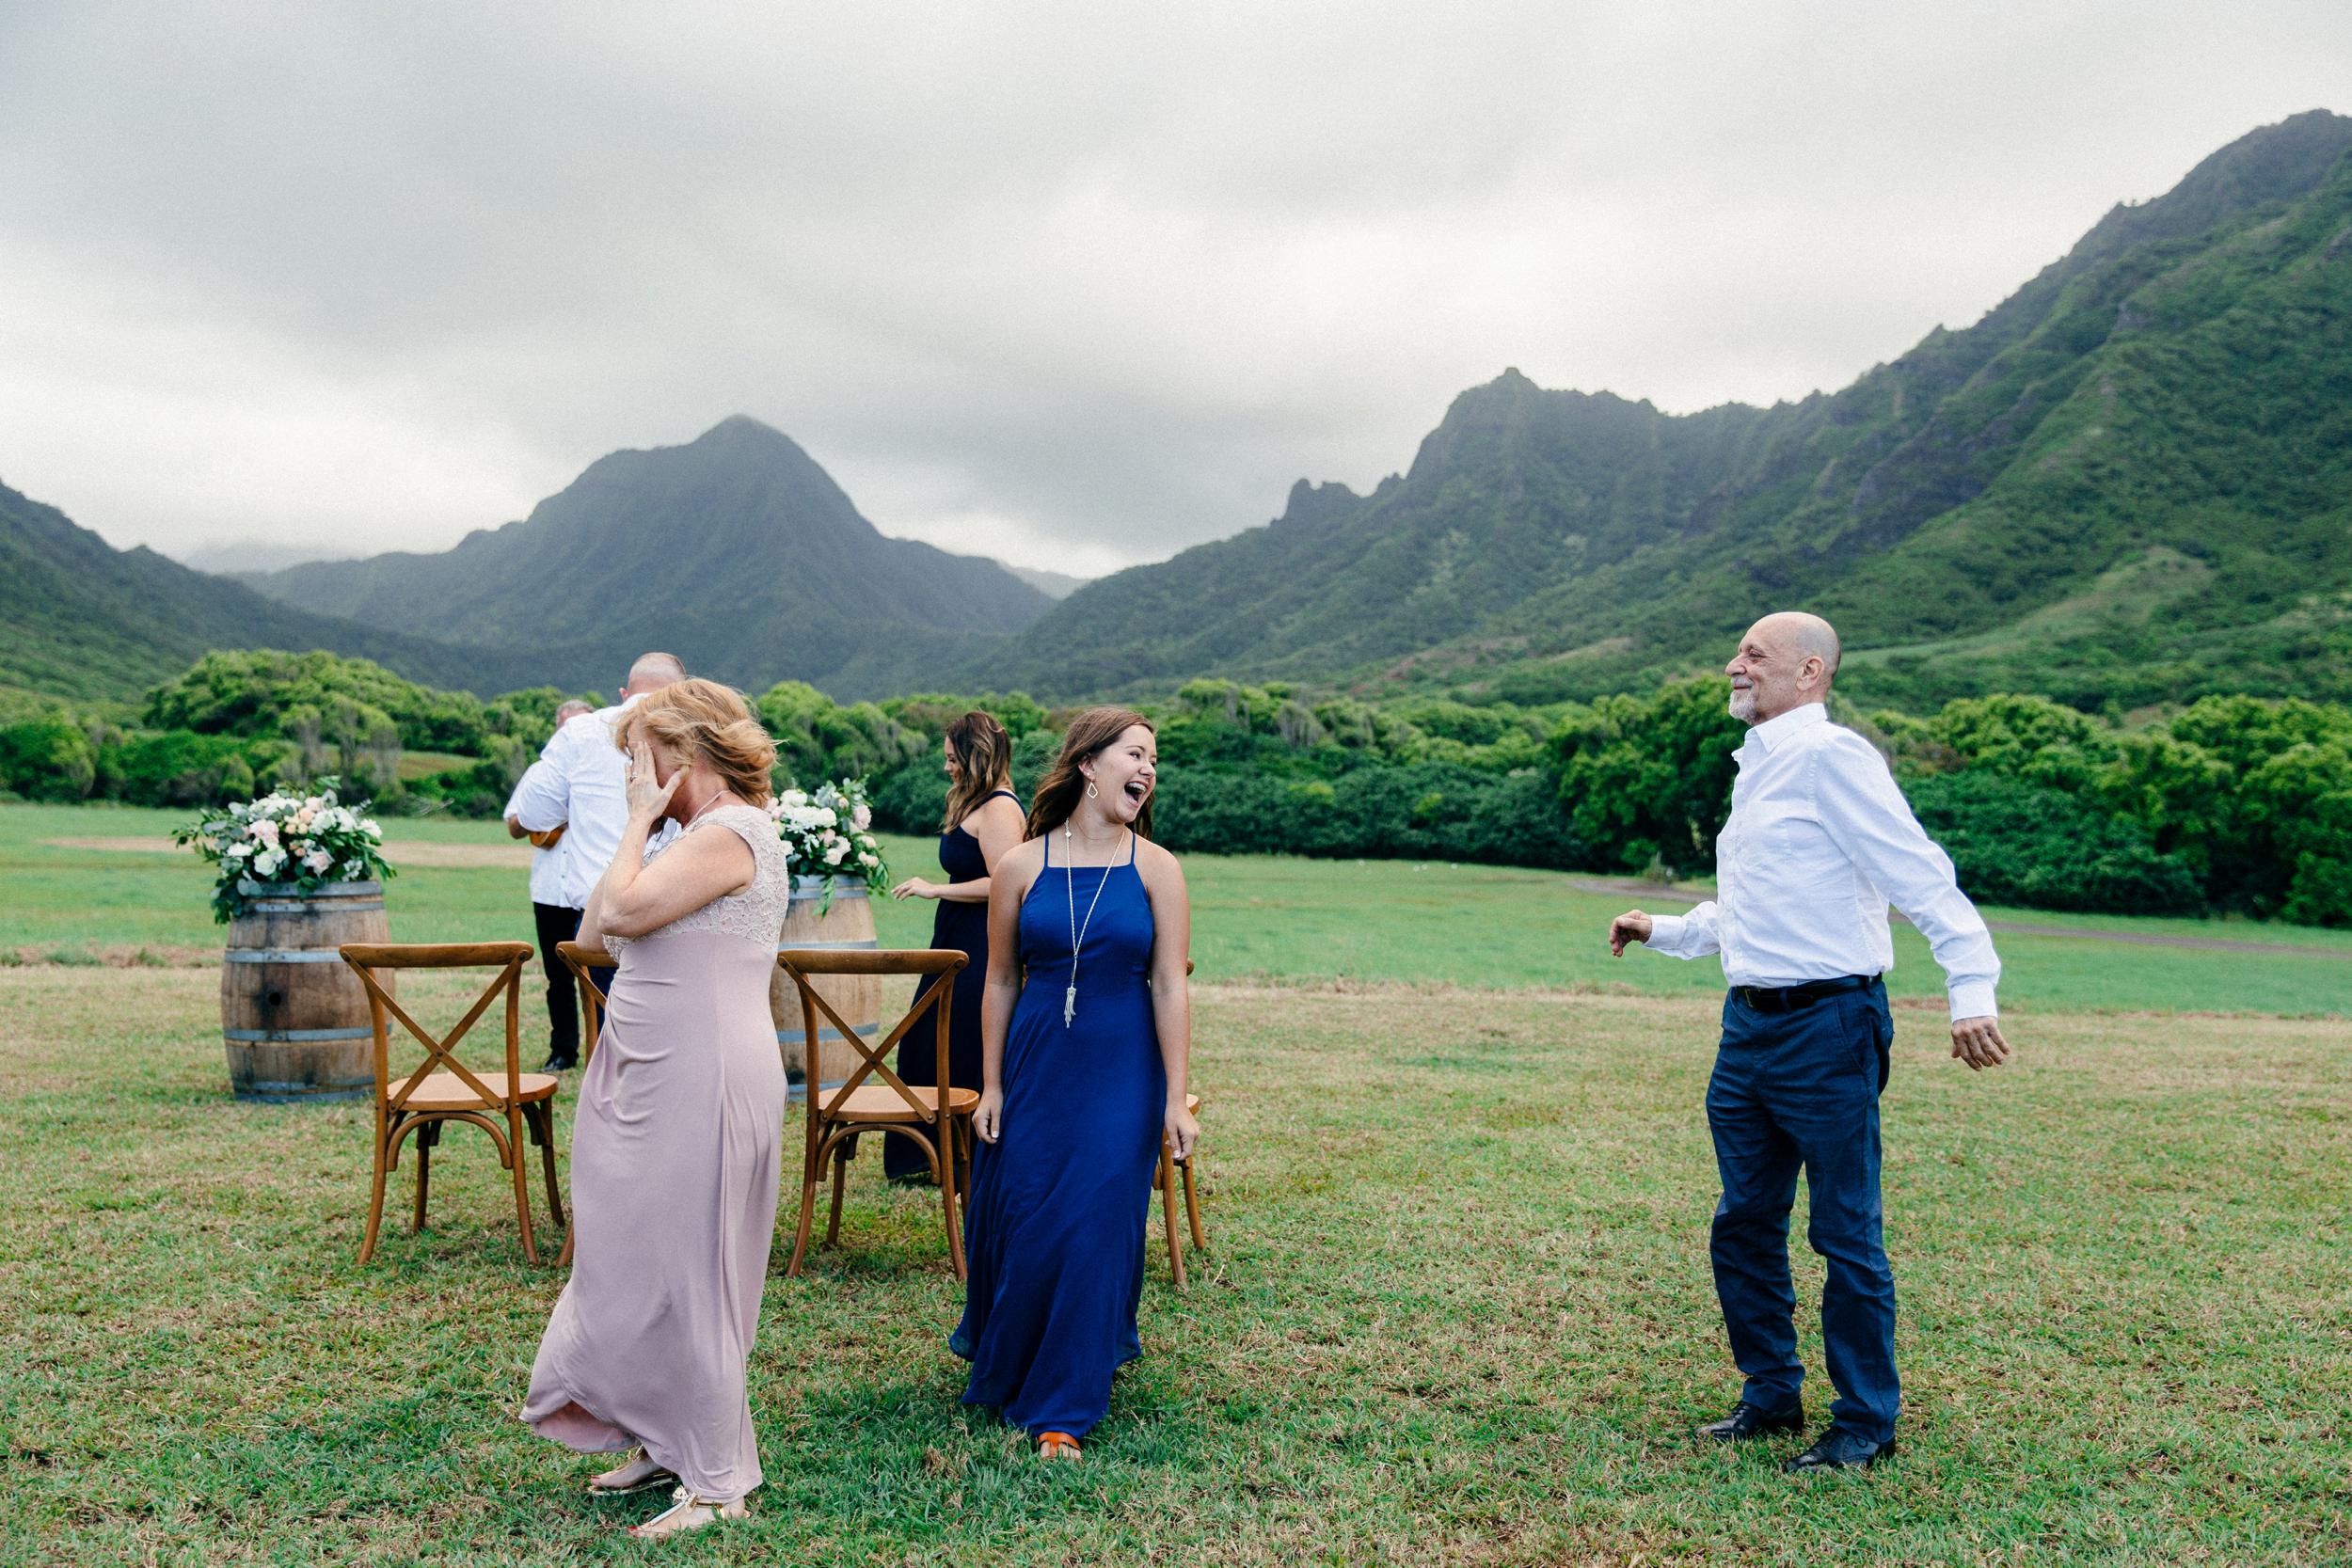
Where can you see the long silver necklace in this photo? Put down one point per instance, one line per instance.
(1078, 931)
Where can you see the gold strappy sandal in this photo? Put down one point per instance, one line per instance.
(689, 1513)
(658, 1476)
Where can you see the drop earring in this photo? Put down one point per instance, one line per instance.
(1091, 789)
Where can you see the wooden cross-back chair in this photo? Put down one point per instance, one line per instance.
(508, 1103)
(586, 963)
(837, 1116)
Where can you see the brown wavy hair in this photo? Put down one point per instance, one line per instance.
(702, 719)
(983, 755)
(1058, 793)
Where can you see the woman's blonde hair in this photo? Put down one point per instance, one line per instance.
(702, 719)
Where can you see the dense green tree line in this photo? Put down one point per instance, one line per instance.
(2232, 803)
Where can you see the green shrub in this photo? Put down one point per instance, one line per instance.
(47, 759)
(2015, 842)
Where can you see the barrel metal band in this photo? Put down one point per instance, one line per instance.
(826, 946)
(252, 889)
(279, 906)
(276, 1036)
(281, 955)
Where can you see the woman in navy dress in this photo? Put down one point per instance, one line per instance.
(1083, 1073)
(983, 823)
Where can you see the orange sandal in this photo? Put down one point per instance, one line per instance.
(1056, 1445)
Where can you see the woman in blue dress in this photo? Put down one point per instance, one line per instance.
(983, 825)
(1083, 1074)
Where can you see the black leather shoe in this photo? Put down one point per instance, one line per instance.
(1753, 1420)
(559, 1064)
(1839, 1449)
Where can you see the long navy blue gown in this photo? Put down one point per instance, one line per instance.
(1060, 1202)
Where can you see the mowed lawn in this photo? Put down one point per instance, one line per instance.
(1456, 1308)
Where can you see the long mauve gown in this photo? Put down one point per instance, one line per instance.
(675, 1153)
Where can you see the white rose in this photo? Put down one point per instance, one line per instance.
(268, 861)
(825, 818)
(834, 855)
(237, 851)
(369, 828)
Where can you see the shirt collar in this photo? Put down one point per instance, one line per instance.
(1770, 734)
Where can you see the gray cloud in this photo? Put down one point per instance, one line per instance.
(1071, 284)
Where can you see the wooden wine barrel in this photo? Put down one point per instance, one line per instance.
(849, 922)
(292, 1015)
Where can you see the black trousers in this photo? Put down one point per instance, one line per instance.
(559, 922)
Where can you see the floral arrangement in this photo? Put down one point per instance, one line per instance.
(830, 833)
(306, 840)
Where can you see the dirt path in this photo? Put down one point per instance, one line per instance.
(2022, 928)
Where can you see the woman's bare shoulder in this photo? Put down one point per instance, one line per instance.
(1157, 863)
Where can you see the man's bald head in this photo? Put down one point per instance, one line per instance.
(651, 672)
(1785, 661)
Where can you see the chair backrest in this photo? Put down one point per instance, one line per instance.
(584, 961)
(805, 964)
(500, 1089)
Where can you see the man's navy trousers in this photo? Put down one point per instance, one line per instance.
(1800, 1088)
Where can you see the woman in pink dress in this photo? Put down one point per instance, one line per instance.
(677, 1144)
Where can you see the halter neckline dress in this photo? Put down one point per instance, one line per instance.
(1060, 1202)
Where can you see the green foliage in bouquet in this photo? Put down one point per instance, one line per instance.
(305, 841)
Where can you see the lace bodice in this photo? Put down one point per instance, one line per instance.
(756, 913)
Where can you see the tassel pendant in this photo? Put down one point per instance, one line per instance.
(1069, 1005)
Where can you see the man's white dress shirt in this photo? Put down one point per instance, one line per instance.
(546, 866)
(580, 781)
(1820, 842)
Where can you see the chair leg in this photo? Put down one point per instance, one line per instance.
(542, 1119)
(375, 1202)
(427, 1135)
(840, 1179)
(522, 1168)
(1168, 1216)
(948, 1196)
(809, 1177)
(1192, 1207)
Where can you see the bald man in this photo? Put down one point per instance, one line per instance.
(580, 784)
(1819, 842)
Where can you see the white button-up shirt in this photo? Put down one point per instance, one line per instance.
(1820, 842)
(580, 781)
(546, 866)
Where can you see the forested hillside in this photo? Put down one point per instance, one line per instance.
(737, 552)
(83, 620)
(2130, 483)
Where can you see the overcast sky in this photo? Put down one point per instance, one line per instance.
(1074, 285)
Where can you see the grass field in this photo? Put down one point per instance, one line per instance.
(1456, 1308)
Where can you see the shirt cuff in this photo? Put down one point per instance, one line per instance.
(1665, 933)
(1972, 999)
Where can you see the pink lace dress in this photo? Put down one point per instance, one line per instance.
(677, 1150)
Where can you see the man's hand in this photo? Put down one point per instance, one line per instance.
(1632, 926)
(1978, 1041)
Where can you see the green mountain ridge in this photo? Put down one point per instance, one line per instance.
(2127, 483)
(83, 620)
(736, 551)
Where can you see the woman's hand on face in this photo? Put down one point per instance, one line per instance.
(916, 887)
(988, 1117)
(648, 799)
(1182, 1129)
